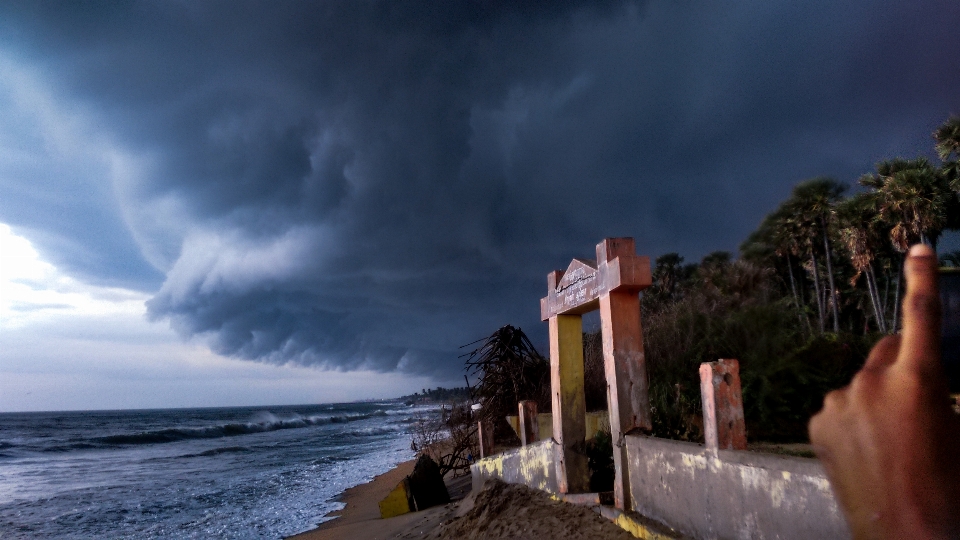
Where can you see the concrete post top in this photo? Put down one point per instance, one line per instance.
(725, 369)
(723, 421)
(729, 365)
(610, 248)
(577, 289)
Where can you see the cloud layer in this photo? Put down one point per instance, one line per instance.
(369, 185)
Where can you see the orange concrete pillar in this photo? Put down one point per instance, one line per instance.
(569, 406)
(529, 427)
(723, 424)
(485, 437)
(628, 398)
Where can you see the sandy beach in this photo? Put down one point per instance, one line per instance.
(498, 512)
(360, 518)
(361, 515)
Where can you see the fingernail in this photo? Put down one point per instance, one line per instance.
(921, 250)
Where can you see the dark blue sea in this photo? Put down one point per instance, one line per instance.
(257, 472)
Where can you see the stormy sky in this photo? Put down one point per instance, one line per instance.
(355, 189)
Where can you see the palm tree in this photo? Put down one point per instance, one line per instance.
(812, 202)
(669, 273)
(777, 237)
(916, 202)
(914, 199)
(948, 143)
(794, 235)
(860, 231)
(788, 245)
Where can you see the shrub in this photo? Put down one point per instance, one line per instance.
(733, 310)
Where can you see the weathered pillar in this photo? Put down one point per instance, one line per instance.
(610, 283)
(569, 406)
(485, 437)
(723, 424)
(529, 428)
(628, 398)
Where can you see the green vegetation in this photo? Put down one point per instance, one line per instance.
(600, 460)
(741, 310)
(438, 395)
(816, 285)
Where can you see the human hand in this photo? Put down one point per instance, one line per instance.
(889, 441)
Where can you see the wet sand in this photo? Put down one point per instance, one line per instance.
(361, 515)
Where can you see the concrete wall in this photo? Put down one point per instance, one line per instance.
(734, 494)
(730, 495)
(533, 465)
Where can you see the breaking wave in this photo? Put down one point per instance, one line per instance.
(263, 422)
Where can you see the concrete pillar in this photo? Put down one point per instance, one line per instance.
(611, 284)
(627, 387)
(569, 407)
(485, 437)
(723, 425)
(529, 427)
(628, 399)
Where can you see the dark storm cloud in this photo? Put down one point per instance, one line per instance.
(372, 184)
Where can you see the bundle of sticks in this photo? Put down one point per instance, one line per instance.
(507, 368)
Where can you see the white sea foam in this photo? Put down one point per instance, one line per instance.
(223, 473)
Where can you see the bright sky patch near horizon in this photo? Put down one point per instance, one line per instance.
(222, 203)
(73, 346)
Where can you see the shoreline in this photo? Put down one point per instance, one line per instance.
(360, 517)
(497, 512)
(361, 505)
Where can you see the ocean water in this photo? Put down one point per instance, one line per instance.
(258, 472)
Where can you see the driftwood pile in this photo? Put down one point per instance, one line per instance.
(508, 369)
